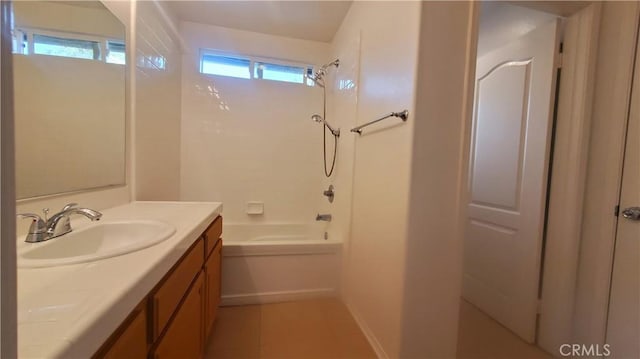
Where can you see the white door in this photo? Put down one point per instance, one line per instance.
(515, 94)
(623, 329)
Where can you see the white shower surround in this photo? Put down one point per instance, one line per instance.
(246, 141)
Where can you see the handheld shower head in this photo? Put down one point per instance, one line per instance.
(320, 119)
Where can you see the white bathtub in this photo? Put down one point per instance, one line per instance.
(276, 239)
(264, 263)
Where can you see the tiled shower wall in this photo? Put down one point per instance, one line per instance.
(157, 104)
(251, 140)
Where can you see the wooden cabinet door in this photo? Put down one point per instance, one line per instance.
(184, 336)
(213, 282)
(132, 342)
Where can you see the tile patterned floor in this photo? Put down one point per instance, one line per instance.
(311, 329)
(480, 337)
(324, 329)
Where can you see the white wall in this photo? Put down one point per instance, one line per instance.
(442, 122)
(157, 104)
(374, 271)
(251, 140)
(403, 266)
(501, 23)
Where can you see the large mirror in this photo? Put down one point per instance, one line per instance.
(69, 97)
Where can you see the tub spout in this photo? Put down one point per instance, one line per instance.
(323, 217)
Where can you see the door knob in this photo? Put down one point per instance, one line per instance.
(632, 213)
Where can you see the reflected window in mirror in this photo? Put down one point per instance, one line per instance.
(27, 41)
(65, 47)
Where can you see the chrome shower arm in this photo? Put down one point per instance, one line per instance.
(334, 131)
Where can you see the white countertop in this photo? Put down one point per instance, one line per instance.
(69, 311)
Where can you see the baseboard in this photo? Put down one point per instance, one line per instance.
(368, 333)
(275, 297)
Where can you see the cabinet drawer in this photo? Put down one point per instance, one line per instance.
(212, 287)
(184, 336)
(212, 235)
(165, 300)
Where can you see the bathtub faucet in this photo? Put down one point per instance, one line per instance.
(323, 217)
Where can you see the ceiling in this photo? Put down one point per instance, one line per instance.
(560, 8)
(501, 22)
(308, 20)
(86, 4)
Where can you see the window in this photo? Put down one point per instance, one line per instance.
(54, 43)
(58, 46)
(253, 68)
(276, 72)
(225, 66)
(115, 52)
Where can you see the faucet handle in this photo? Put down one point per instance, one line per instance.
(37, 230)
(34, 216)
(69, 206)
(46, 213)
(37, 225)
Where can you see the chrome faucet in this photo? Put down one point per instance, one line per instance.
(323, 217)
(56, 226)
(59, 224)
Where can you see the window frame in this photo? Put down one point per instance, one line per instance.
(252, 64)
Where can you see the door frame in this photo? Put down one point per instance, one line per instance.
(8, 281)
(566, 187)
(613, 79)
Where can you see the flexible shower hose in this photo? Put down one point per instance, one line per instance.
(327, 172)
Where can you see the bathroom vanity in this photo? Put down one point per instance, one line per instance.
(177, 316)
(156, 302)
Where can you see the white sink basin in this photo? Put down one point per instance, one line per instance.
(95, 242)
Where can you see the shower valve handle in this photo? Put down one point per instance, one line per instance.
(329, 193)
